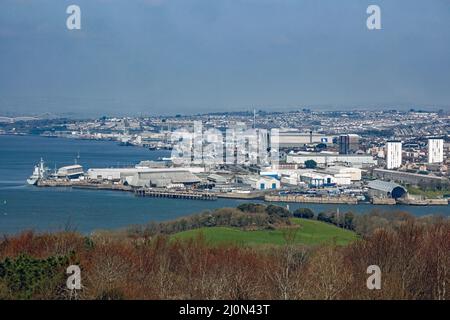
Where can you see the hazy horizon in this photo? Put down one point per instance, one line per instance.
(167, 57)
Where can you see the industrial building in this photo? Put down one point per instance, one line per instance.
(111, 174)
(70, 172)
(292, 180)
(327, 159)
(317, 179)
(385, 189)
(216, 178)
(407, 177)
(120, 174)
(163, 179)
(354, 173)
(294, 139)
(262, 183)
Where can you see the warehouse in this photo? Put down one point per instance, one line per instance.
(355, 173)
(317, 180)
(292, 139)
(407, 177)
(120, 174)
(162, 179)
(324, 159)
(216, 178)
(111, 174)
(262, 183)
(386, 189)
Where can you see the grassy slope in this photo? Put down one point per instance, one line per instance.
(428, 193)
(310, 232)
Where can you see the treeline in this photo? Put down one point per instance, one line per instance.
(366, 224)
(413, 257)
(255, 216)
(344, 220)
(247, 216)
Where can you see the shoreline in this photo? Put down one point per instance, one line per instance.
(257, 195)
(53, 208)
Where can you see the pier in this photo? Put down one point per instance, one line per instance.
(424, 202)
(242, 196)
(83, 185)
(177, 194)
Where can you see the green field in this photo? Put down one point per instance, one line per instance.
(310, 232)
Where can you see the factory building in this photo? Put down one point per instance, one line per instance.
(162, 179)
(111, 174)
(291, 180)
(407, 177)
(326, 159)
(317, 179)
(393, 154)
(385, 189)
(294, 139)
(435, 150)
(216, 178)
(354, 173)
(262, 183)
(120, 174)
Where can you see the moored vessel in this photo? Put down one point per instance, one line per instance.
(39, 172)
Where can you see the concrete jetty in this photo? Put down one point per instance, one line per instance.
(383, 201)
(424, 202)
(83, 185)
(174, 194)
(243, 196)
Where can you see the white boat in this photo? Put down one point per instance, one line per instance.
(40, 172)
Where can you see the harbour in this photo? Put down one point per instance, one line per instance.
(161, 179)
(88, 208)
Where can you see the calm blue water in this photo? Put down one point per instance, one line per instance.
(25, 207)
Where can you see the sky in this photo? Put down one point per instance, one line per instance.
(162, 57)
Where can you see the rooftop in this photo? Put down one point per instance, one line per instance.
(385, 186)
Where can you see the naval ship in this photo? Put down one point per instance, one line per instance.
(40, 172)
